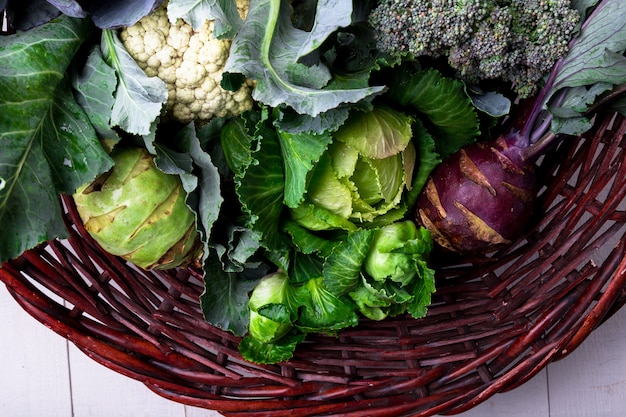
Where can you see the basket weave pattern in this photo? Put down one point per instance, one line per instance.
(493, 324)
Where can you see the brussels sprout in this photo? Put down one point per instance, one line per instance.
(395, 249)
(139, 213)
(270, 308)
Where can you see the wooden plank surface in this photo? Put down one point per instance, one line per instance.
(33, 364)
(43, 375)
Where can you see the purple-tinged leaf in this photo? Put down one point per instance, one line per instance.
(113, 14)
(69, 7)
(27, 14)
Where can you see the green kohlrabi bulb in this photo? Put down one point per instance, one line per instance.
(139, 213)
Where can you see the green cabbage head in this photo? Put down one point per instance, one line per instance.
(361, 178)
(139, 213)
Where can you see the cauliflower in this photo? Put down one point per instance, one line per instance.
(190, 63)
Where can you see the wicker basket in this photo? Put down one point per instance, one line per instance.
(494, 323)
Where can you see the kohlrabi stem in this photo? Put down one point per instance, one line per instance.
(539, 146)
(528, 131)
(541, 138)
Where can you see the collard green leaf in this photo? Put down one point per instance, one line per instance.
(268, 47)
(94, 87)
(300, 152)
(105, 14)
(224, 301)
(597, 55)
(196, 12)
(243, 245)
(48, 144)
(112, 14)
(199, 176)
(328, 121)
(139, 99)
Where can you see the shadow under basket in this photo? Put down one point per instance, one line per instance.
(493, 324)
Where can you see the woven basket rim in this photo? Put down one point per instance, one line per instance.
(494, 322)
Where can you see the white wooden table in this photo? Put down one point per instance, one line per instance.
(42, 375)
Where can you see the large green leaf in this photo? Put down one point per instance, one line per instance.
(261, 192)
(594, 64)
(48, 143)
(306, 241)
(427, 160)
(598, 53)
(444, 103)
(268, 49)
(94, 89)
(423, 288)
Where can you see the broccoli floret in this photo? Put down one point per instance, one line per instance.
(517, 41)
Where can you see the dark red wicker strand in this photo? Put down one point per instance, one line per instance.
(494, 322)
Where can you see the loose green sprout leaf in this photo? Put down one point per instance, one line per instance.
(422, 290)
(306, 241)
(324, 311)
(342, 269)
(273, 307)
(394, 250)
(256, 351)
(300, 152)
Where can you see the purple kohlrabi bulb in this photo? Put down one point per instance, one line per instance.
(480, 198)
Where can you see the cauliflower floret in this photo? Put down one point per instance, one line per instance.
(190, 63)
